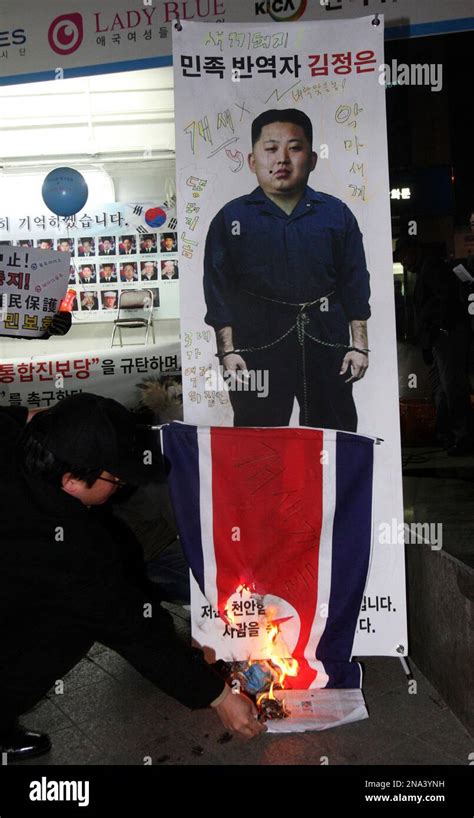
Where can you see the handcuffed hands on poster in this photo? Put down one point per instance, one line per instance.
(284, 214)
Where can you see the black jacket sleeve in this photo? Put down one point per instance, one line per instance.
(119, 613)
(17, 414)
(12, 421)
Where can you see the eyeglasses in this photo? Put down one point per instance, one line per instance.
(117, 482)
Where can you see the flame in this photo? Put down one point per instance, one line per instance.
(275, 660)
(280, 665)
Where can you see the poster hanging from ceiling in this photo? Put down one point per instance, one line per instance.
(287, 307)
(46, 40)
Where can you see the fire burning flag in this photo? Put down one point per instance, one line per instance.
(285, 512)
(260, 677)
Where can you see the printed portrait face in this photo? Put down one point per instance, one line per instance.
(282, 158)
(64, 246)
(109, 300)
(148, 270)
(148, 243)
(45, 244)
(167, 244)
(87, 272)
(128, 272)
(107, 271)
(168, 269)
(89, 301)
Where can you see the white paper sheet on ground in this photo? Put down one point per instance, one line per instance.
(318, 709)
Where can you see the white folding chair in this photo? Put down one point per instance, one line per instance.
(135, 300)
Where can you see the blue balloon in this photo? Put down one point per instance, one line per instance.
(65, 191)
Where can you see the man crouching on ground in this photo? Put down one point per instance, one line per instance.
(71, 574)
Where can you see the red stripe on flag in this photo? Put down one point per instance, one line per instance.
(267, 501)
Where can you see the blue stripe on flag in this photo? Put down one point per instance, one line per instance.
(352, 529)
(180, 448)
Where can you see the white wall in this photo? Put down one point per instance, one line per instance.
(143, 179)
(122, 124)
(117, 129)
(89, 119)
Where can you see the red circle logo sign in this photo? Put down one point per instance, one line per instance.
(66, 33)
(274, 9)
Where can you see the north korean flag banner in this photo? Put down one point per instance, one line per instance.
(276, 524)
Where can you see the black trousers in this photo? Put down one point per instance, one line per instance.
(44, 656)
(307, 372)
(450, 383)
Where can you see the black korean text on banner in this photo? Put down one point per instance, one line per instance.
(32, 284)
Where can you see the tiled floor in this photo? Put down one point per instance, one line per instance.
(109, 714)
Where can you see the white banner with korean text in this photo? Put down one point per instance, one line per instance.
(39, 381)
(287, 302)
(125, 245)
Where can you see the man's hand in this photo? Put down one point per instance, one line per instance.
(238, 714)
(358, 363)
(234, 362)
(60, 324)
(33, 412)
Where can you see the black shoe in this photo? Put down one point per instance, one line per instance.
(19, 744)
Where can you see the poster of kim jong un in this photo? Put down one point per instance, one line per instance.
(287, 308)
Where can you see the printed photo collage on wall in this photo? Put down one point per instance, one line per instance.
(103, 266)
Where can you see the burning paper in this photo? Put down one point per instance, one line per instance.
(260, 678)
(267, 680)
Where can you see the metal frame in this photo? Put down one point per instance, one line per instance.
(140, 321)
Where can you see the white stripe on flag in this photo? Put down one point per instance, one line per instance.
(325, 560)
(206, 512)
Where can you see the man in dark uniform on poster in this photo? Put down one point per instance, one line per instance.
(285, 278)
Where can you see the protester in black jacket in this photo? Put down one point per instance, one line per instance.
(71, 574)
(443, 331)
